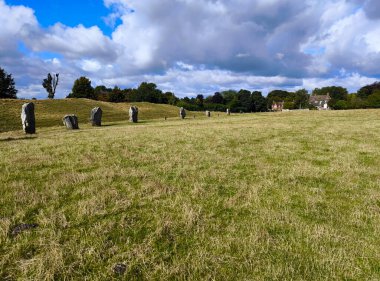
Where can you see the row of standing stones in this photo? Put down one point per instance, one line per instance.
(182, 113)
(71, 121)
(28, 119)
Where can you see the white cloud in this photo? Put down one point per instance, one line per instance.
(74, 42)
(90, 65)
(200, 46)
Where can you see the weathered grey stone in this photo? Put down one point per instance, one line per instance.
(228, 111)
(71, 122)
(120, 268)
(182, 113)
(19, 228)
(208, 113)
(133, 114)
(28, 119)
(96, 116)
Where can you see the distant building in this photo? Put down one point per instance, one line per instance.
(321, 102)
(277, 106)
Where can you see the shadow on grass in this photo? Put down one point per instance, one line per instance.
(17, 138)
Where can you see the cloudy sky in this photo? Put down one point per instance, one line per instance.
(191, 47)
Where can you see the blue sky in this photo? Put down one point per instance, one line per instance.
(70, 13)
(191, 47)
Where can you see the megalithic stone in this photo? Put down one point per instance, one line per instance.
(133, 114)
(228, 111)
(182, 113)
(71, 122)
(208, 113)
(28, 119)
(96, 116)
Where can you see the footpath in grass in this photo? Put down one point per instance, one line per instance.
(271, 196)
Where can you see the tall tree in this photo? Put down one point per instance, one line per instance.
(245, 99)
(82, 89)
(50, 84)
(368, 90)
(199, 100)
(217, 98)
(301, 99)
(259, 102)
(7, 86)
(229, 96)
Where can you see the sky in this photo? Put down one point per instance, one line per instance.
(191, 47)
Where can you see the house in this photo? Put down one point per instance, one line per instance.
(277, 106)
(321, 102)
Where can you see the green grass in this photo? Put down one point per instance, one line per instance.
(49, 113)
(271, 196)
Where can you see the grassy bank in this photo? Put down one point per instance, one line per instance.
(49, 113)
(272, 196)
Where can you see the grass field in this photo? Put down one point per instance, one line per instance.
(49, 113)
(270, 196)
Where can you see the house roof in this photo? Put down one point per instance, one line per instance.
(317, 98)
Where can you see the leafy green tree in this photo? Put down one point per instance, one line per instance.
(340, 105)
(217, 98)
(368, 90)
(228, 96)
(170, 98)
(7, 86)
(259, 103)
(277, 96)
(288, 105)
(148, 92)
(245, 100)
(373, 100)
(82, 89)
(117, 95)
(234, 104)
(301, 99)
(50, 84)
(102, 93)
(199, 101)
(355, 102)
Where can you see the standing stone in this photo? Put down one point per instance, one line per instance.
(71, 122)
(133, 114)
(96, 116)
(208, 113)
(182, 113)
(28, 119)
(228, 111)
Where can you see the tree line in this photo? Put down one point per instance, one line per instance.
(236, 101)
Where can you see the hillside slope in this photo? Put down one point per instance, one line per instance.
(50, 112)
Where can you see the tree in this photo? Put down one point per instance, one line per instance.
(117, 95)
(217, 98)
(50, 84)
(245, 99)
(199, 101)
(373, 100)
(229, 96)
(259, 102)
(170, 98)
(368, 90)
(301, 99)
(82, 89)
(277, 96)
(148, 92)
(7, 86)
